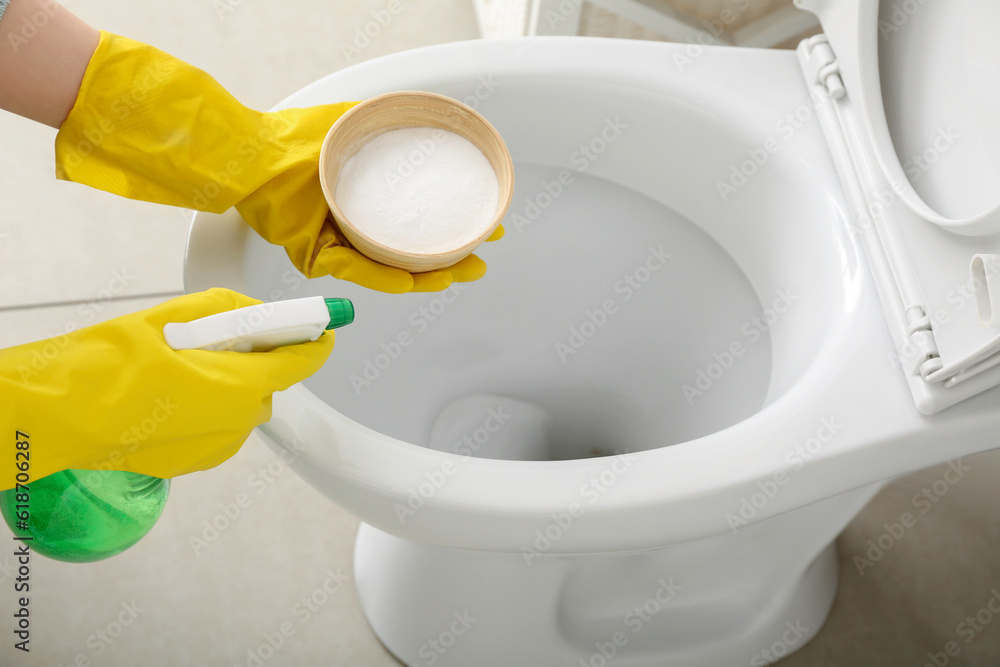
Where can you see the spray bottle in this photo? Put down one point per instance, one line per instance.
(80, 516)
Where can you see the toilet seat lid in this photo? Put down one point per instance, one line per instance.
(924, 76)
(909, 96)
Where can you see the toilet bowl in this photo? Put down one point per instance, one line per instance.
(636, 439)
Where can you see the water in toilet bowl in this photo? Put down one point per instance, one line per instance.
(571, 424)
(511, 429)
(606, 322)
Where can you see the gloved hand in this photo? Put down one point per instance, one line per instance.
(148, 126)
(114, 396)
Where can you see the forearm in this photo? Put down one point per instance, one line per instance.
(44, 51)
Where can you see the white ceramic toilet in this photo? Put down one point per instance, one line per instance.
(713, 331)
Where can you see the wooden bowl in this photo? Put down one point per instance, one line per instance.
(394, 111)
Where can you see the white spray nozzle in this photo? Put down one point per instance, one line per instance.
(262, 327)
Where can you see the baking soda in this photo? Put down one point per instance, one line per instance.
(420, 190)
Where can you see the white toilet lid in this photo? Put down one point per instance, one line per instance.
(925, 79)
(912, 114)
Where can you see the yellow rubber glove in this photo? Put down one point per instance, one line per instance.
(148, 126)
(114, 396)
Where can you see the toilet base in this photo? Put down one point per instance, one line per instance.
(712, 602)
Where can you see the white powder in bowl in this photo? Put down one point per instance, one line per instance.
(419, 190)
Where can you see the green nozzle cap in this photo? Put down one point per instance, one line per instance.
(341, 312)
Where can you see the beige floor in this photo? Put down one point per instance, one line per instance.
(60, 246)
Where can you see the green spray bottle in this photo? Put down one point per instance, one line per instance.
(81, 516)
